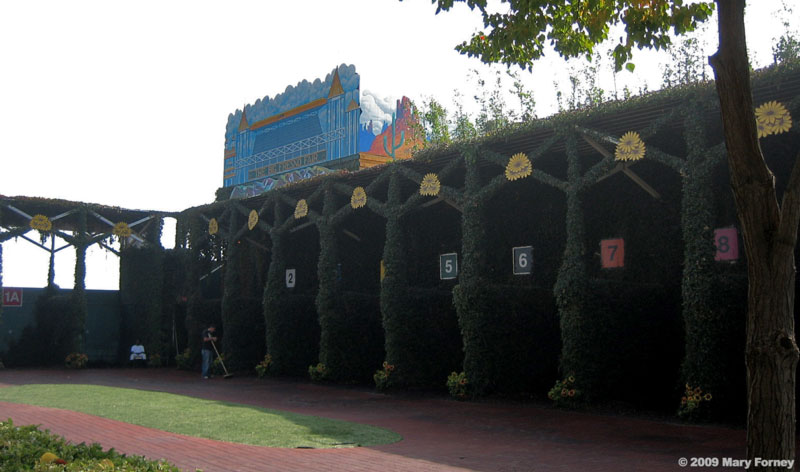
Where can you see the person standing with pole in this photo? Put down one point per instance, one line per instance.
(209, 337)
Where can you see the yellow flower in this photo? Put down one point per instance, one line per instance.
(47, 458)
(252, 219)
(697, 391)
(518, 167)
(707, 397)
(782, 124)
(213, 226)
(122, 230)
(462, 381)
(768, 112)
(630, 147)
(772, 118)
(564, 392)
(430, 185)
(41, 223)
(359, 198)
(571, 378)
(385, 364)
(301, 209)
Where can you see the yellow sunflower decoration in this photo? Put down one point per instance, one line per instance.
(213, 226)
(252, 219)
(518, 167)
(122, 230)
(41, 223)
(301, 209)
(359, 198)
(772, 118)
(430, 185)
(630, 147)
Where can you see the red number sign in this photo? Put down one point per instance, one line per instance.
(612, 253)
(12, 296)
(727, 242)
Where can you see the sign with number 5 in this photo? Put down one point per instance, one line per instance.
(448, 266)
(612, 253)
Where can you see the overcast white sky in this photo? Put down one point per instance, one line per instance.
(126, 103)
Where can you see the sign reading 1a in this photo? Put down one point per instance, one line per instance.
(612, 253)
(523, 260)
(448, 266)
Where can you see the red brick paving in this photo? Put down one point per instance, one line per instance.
(438, 434)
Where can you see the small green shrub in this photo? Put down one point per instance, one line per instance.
(26, 448)
(691, 403)
(317, 372)
(458, 385)
(263, 367)
(184, 360)
(76, 360)
(564, 393)
(382, 377)
(217, 365)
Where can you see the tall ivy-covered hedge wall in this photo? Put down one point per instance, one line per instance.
(141, 285)
(56, 332)
(634, 333)
(290, 316)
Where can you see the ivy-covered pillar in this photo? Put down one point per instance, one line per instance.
(473, 296)
(399, 332)
(336, 331)
(578, 330)
(81, 243)
(231, 292)
(705, 321)
(291, 325)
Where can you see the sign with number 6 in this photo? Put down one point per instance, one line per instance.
(612, 253)
(523, 260)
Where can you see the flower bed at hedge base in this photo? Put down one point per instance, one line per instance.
(28, 448)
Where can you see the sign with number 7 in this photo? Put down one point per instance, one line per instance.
(612, 253)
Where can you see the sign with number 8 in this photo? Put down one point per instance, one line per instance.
(726, 241)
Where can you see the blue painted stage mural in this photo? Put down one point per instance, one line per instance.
(312, 129)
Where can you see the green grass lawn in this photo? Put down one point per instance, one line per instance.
(201, 418)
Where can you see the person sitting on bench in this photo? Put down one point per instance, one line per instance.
(138, 355)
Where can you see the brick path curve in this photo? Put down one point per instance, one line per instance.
(438, 434)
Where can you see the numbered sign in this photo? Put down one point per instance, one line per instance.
(612, 253)
(448, 266)
(523, 260)
(12, 296)
(727, 242)
(290, 278)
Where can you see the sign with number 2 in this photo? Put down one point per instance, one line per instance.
(612, 253)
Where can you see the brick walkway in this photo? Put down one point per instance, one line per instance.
(439, 434)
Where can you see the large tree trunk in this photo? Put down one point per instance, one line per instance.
(770, 236)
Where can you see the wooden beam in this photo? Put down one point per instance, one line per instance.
(641, 183)
(304, 225)
(352, 235)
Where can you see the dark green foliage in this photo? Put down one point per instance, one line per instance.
(21, 448)
(243, 321)
(141, 282)
(55, 333)
(199, 315)
(512, 337)
(422, 336)
(292, 333)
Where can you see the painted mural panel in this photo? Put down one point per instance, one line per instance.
(309, 129)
